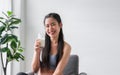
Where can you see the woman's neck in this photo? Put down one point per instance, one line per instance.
(54, 40)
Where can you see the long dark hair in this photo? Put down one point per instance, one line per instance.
(47, 48)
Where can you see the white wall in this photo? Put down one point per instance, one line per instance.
(92, 27)
(18, 10)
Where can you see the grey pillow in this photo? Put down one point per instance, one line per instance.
(72, 66)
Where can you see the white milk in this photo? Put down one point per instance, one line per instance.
(42, 40)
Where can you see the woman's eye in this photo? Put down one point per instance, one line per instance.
(52, 24)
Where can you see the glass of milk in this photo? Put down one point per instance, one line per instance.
(42, 40)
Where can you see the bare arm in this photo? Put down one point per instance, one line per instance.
(62, 63)
(36, 57)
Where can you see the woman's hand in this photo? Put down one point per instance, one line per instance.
(37, 46)
(36, 56)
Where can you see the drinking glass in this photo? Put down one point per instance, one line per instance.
(42, 39)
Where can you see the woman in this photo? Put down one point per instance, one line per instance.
(56, 52)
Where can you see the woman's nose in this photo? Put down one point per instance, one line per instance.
(50, 27)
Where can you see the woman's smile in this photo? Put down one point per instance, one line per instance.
(51, 32)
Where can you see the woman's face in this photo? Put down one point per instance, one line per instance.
(52, 27)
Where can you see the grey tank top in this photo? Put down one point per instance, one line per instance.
(53, 61)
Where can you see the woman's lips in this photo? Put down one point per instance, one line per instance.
(52, 32)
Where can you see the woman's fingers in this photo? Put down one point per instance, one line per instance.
(37, 44)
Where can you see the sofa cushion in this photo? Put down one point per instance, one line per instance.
(72, 66)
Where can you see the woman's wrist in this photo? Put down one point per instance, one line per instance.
(37, 52)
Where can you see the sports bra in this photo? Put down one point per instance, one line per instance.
(53, 61)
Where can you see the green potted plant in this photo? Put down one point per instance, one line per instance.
(10, 45)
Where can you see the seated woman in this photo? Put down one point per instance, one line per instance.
(56, 52)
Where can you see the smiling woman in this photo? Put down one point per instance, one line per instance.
(56, 51)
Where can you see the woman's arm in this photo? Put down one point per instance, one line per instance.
(62, 63)
(36, 57)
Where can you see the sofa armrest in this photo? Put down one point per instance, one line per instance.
(30, 73)
(25, 73)
(82, 73)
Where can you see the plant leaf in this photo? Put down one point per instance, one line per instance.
(13, 45)
(9, 13)
(14, 37)
(1, 18)
(22, 57)
(3, 39)
(2, 28)
(15, 21)
(20, 50)
(7, 38)
(17, 56)
(3, 23)
(5, 49)
(13, 27)
(9, 56)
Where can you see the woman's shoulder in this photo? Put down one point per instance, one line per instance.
(67, 46)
